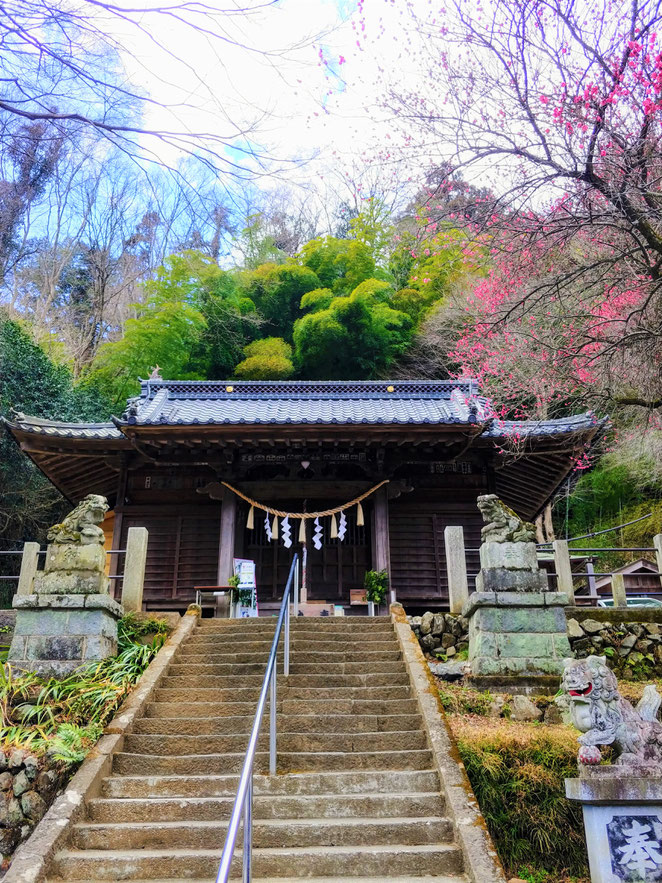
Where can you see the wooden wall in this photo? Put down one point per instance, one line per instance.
(416, 529)
(182, 551)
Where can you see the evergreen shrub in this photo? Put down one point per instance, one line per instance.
(517, 774)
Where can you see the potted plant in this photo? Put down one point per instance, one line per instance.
(233, 582)
(375, 584)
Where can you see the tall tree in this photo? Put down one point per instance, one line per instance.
(64, 63)
(27, 164)
(34, 384)
(558, 106)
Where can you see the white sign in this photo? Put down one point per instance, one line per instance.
(244, 568)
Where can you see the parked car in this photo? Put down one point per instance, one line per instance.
(632, 602)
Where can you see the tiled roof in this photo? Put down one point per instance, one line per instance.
(63, 430)
(190, 403)
(526, 428)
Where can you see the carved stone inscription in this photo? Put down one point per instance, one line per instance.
(635, 848)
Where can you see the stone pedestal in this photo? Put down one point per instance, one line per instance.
(517, 640)
(623, 824)
(56, 634)
(70, 620)
(510, 567)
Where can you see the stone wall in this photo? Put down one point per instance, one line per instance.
(622, 642)
(441, 634)
(626, 644)
(28, 785)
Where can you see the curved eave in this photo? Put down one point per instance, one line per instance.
(530, 471)
(205, 433)
(77, 464)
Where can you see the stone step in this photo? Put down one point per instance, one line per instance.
(287, 742)
(193, 655)
(305, 723)
(298, 632)
(177, 702)
(302, 833)
(174, 681)
(216, 764)
(222, 677)
(183, 864)
(354, 782)
(305, 622)
(342, 695)
(296, 644)
(344, 879)
(210, 809)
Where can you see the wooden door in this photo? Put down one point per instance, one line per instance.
(331, 571)
(418, 560)
(182, 552)
(338, 566)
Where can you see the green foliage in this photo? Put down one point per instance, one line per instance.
(375, 584)
(441, 260)
(318, 299)
(517, 775)
(401, 262)
(356, 337)
(194, 323)
(609, 495)
(131, 628)
(65, 716)
(266, 359)
(599, 498)
(339, 264)
(413, 302)
(33, 384)
(462, 700)
(257, 244)
(373, 291)
(72, 742)
(373, 229)
(276, 291)
(163, 334)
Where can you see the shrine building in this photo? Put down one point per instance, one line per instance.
(304, 447)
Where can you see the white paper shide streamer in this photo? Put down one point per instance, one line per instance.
(267, 527)
(342, 526)
(286, 531)
(317, 534)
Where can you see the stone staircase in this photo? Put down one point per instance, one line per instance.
(356, 797)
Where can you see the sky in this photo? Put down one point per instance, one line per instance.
(296, 81)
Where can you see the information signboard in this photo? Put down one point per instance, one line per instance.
(244, 568)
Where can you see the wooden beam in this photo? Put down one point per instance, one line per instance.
(382, 557)
(227, 538)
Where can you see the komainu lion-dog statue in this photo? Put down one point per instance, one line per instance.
(606, 718)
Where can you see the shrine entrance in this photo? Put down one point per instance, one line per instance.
(331, 571)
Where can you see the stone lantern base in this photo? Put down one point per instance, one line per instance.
(56, 634)
(623, 824)
(517, 640)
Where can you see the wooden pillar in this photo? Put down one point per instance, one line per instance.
(382, 550)
(657, 542)
(456, 568)
(120, 500)
(618, 590)
(29, 564)
(563, 569)
(134, 569)
(226, 545)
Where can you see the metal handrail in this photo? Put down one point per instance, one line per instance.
(243, 802)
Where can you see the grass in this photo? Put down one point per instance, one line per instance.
(516, 771)
(66, 716)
